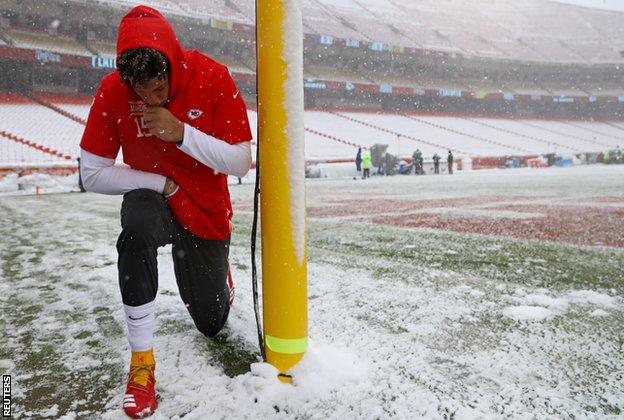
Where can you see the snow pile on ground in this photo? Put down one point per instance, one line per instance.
(37, 183)
(9, 183)
(540, 306)
(528, 313)
(323, 371)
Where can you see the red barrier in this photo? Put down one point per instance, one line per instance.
(489, 162)
(492, 162)
(58, 109)
(66, 98)
(13, 98)
(34, 145)
(55, 170)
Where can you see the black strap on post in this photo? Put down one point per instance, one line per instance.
(254, 227)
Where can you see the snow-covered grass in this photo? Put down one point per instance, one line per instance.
(404, 323)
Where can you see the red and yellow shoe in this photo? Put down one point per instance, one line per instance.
(140, 398)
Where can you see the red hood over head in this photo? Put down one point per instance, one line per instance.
(146, 27)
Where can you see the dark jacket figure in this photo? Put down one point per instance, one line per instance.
(417, 162)
(358, 160)
(436, 163)
(449, 161)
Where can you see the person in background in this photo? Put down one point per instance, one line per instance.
(182, 126)
(381, 170)
(417, 161)
(358, 162)
(436, 163)
(367, 164)
(449, 161)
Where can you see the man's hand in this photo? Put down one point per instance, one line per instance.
(170, 187)
(161, 123)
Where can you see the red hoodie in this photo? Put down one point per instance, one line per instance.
(201, 94)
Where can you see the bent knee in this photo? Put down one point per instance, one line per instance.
(211, 325)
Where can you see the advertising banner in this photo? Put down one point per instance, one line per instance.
(100, 62)
(379, 46)
(326, 39)
(221, 24)
(385, 88)
(47, 56)
(450, 92)
(314, 84)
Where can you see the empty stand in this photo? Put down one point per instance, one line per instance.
(601, 130)
(17, 151)
(403, 141)
(233, 64)
(345, 129)
(246, 8)
(31, 133)
(529, 30)
(457, 127)
(35, 41)
(581, 139)
(104, 48)
(42, 126)
(494, 128)
(80, 111)
(217, 9)
(77, 106)
(320, 20)
(165, 6)
(336, 73)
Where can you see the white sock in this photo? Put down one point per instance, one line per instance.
(140, 321)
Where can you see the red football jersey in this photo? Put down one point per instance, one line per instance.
(201, 94)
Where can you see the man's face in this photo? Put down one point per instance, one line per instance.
(154, 92)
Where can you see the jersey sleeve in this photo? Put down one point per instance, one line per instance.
(100, 136)
(229, 112)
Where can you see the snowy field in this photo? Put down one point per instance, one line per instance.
(491, 294)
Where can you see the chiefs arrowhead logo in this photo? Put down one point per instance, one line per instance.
(195, 113)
